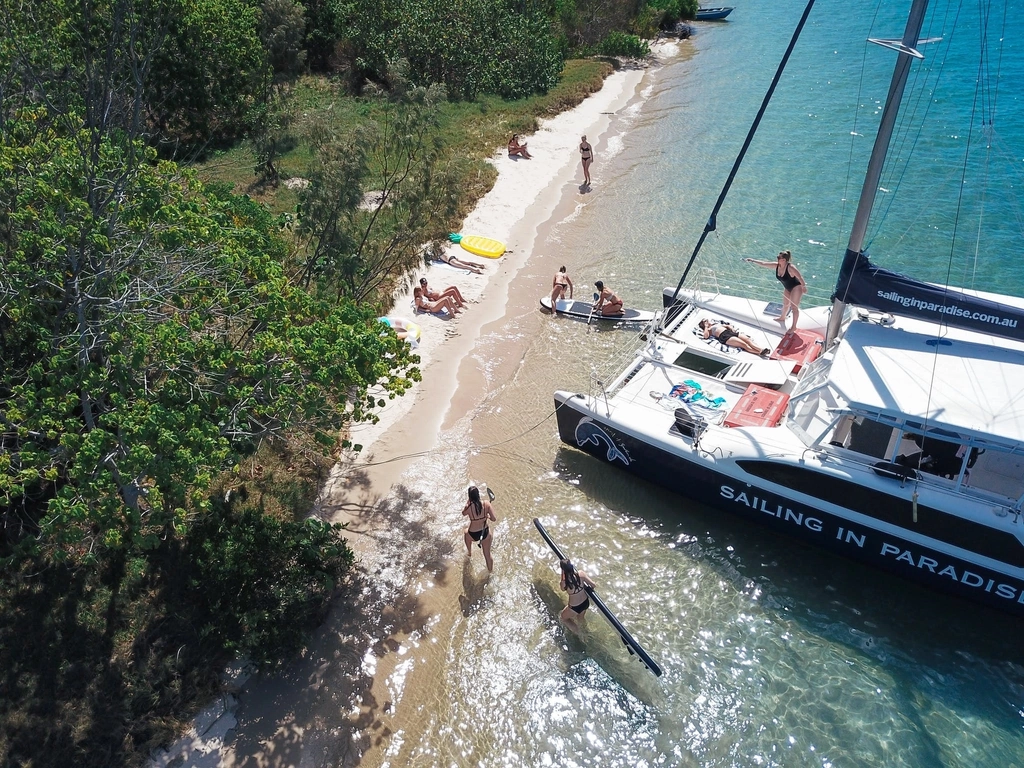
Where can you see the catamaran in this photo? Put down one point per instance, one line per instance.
(888, 427)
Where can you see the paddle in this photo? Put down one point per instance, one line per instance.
(592, 308)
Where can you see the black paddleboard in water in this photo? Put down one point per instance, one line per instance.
(584, 310)
(631, 644)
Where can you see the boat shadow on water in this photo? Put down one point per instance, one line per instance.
(839, 599)
(593, 655)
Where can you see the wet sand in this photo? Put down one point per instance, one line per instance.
(354, 696)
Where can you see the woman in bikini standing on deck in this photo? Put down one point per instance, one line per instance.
(479, 512)
(793, 285)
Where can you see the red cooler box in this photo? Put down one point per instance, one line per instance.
(800, 346)
(759, 407)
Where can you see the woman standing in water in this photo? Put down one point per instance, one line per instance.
(793, 285)
(574, 582)
(479, 512)
(587, 157)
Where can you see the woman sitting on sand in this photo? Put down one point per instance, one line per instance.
(451, 291)
(479, 512)
(515, 148)
(423, 304)
(574, 582)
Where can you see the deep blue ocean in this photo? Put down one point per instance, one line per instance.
(775, 654)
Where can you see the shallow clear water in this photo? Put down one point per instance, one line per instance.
(775, 654)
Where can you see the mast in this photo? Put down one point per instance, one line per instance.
(907, 51)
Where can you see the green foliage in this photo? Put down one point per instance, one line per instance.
(260, 584)
(376, 195)
(99, 662)
(673, 11)
(469, 46)
(149, 342)
(621, 44)
(282, 30)
(210, 71)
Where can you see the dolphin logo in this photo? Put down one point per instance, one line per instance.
(589, 432)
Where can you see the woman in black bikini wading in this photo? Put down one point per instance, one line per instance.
(793, 285)
(587, 156)
(573, 582)
(479, 512)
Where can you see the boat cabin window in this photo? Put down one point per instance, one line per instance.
(705, 365)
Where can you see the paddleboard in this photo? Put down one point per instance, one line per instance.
(483, 246)
(631, 644)
(581, 309)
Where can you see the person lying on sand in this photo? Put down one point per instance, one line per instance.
(451, 291)
(423, 304)
(454, 261)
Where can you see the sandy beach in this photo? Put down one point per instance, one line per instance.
(346, 701)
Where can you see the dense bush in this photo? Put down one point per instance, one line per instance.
(621, 44)
(469, 46)
(259, 584)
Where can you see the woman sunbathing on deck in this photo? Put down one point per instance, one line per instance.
(724, 333)
(423, 304)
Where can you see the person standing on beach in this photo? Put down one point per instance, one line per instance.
(793, 285)
(586, 157)
(558, 285)
(479, 512)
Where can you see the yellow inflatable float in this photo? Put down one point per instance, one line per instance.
(481, 246)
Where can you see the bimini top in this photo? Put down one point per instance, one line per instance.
(972, 389)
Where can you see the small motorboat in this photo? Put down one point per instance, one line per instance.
(712, 14)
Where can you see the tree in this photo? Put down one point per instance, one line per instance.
(376, 196)
(150, 342)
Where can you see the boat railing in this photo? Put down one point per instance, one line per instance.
(1002, 505)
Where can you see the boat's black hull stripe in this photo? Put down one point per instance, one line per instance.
(698, 481)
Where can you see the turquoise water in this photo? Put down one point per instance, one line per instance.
(775, 654)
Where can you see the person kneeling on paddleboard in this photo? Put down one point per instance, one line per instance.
(573, 582)
(607, 304)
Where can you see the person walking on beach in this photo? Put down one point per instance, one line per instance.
(559, 283)
(608, 304)
(479, 512)
(586, 157)
(793, 285)
(574, 582)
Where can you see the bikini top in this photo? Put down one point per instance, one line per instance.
(585, 151)
(483, 513)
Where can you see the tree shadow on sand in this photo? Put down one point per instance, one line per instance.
(326, 706)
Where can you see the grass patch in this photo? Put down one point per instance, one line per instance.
(471, 131)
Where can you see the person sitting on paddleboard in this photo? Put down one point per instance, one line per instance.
(515, 148)
(559, 283)
(573, 582)
(607, 302)
(479, 512)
